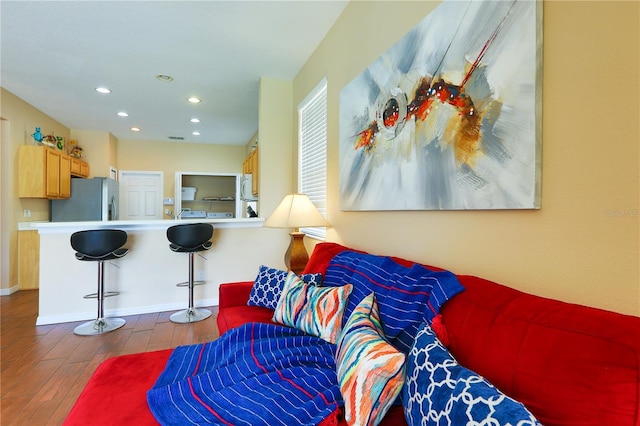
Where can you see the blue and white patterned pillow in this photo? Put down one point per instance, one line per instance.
(439, 391)
(267, 286)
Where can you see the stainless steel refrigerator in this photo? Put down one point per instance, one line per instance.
(91, 199)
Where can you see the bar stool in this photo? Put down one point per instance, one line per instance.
(97, 246)
(190, 238)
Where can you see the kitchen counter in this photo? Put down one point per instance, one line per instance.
(127, 225)
(146, 277)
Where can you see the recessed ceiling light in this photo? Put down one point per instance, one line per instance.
(196, 133)
(135, 129)
(103, 90)
(195, 120)
(164, 77)
(194, 100)
(123, 114)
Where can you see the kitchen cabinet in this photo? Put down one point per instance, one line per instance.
(250, 167)
(246, 166)
(79, 168)
(43, 172)
(28, 259)
(65, 176)
(84, 169)
(207, 195)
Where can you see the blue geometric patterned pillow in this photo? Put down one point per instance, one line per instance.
(439, 391)
(267, 286)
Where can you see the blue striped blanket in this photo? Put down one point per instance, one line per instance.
(407, 296)
(256, 374)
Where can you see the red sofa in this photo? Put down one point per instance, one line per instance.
(569, 364)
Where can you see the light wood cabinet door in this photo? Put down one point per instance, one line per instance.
(65, 176)
(32, 168)
(75, 166)
(79, 168)
(253, 157)
(28, 260)
(52, 180)
(43, 173)
(84, 169)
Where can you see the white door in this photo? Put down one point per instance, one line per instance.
(141, 195)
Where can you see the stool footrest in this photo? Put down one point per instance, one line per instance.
(186, 283)
(106, 294)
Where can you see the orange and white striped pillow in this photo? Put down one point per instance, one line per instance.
(315, 310)
(371, 372)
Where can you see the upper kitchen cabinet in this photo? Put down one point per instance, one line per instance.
(43, 173)
(64, 178)
(79, 168)
(250, 167)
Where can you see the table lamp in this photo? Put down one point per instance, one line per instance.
(296, 211)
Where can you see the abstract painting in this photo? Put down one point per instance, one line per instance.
(449, 118)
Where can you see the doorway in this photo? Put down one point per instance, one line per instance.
(141, 195)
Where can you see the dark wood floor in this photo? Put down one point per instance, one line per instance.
(44, 368)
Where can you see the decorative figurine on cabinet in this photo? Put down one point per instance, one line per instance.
(50, 140)
(37, 135)
(75, 151)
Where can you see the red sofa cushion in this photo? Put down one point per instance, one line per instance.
(569, 364)
(322, 255)
(233, 310)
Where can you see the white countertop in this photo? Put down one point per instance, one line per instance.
(65, 227)
(29, 226)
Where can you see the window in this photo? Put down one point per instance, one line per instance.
(312, 158)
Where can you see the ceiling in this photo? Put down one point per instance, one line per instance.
(54, 54)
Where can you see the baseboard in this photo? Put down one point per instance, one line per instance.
(9, 291)
(120, 312)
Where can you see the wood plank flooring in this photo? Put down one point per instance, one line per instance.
(44, 368)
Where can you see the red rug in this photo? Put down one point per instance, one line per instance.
(117, 392)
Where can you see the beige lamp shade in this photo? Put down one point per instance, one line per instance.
(295, 211)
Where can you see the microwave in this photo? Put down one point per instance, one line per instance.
(246, 190)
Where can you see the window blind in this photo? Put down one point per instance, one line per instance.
(312, 158)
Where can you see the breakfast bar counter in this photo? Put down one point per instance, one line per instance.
(146, 277)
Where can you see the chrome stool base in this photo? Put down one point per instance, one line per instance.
(99, 326)
(190, 315)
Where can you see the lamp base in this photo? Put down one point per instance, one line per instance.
(296, 257)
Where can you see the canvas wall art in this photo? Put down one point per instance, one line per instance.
(449, 117)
